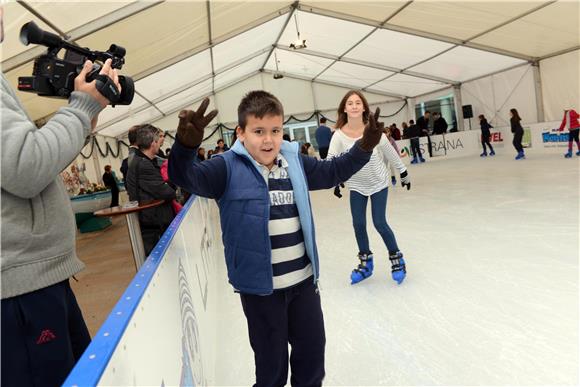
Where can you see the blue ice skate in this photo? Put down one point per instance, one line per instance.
(364, 270)
(520, 156)
(421, 159)
(394, 181)
(414, 161)
(484, 154)
(578, 153)
(568, 154)
(398, 268)
(492, 153)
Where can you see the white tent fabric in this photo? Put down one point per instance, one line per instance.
(181, 51)
(495, 95)
(560, 87)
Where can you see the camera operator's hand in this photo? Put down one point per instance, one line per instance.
(192, 124)
(372, 133)
(90, 88)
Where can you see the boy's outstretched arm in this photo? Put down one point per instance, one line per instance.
(208, 178)
(323, 174)
(203, 178)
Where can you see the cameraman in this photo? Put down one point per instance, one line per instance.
(43, 331)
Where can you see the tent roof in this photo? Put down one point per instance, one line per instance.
(179, 52)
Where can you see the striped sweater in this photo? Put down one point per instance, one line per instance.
(290, 263)
(374, 176)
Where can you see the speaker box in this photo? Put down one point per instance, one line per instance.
(467, 111)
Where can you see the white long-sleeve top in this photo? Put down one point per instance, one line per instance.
(375, 175)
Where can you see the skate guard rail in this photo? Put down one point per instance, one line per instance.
(152, 336)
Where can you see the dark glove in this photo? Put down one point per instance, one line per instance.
(373, 132)
(405, 180)
(337, 190)
(193, 123)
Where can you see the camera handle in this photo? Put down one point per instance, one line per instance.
(105, 86)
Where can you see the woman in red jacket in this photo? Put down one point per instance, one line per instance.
(570, 121)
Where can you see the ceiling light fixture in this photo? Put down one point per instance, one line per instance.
(277, 74)
(298, 43)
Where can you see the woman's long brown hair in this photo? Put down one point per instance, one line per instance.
(342, 118)
(515, 115)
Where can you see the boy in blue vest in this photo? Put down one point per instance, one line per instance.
(261, 187)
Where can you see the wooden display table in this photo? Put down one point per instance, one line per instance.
(132, 216)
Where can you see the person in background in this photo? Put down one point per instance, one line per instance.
(307, 149)
(518, 132)
(221, 147)
(571, 122)
(144, 182)
(388, 133)
(414, 134)
(485, 136)
(132, 136)
(160, 153)
(323, 135)
(439, 124)
(111, 183)
(405, 131)
(395, 132)
(201, 154)
(423, 124)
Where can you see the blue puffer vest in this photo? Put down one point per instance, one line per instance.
(245, 213)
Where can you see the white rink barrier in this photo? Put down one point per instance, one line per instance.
(539, 137)
(153, 336)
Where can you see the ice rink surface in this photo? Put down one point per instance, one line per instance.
(491, 295)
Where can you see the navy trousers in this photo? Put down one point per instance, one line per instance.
(291, 316)
(43, 336)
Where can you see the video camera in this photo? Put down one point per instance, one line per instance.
(54, 77)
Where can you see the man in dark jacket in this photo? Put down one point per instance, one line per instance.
(439, 125)
(423, 124)
(144, 182)
(132, 135)
(323, 135)
(414, 132)
(111, 183)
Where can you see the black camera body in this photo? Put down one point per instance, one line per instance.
(54, 77)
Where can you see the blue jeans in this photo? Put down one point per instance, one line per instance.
(358, 209)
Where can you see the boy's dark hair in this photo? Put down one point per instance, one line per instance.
(220, 140)
(323, 120)
(286, 137)
(258, 103)
(411, 122)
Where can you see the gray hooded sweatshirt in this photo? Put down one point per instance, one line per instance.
(38, 225)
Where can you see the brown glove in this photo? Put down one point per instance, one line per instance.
(193, 123)
(372, 133)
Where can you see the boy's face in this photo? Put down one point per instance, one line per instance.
(262, 138)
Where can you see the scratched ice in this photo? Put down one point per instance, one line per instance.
(491, 296)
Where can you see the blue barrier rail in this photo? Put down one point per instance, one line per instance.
(93, 362)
